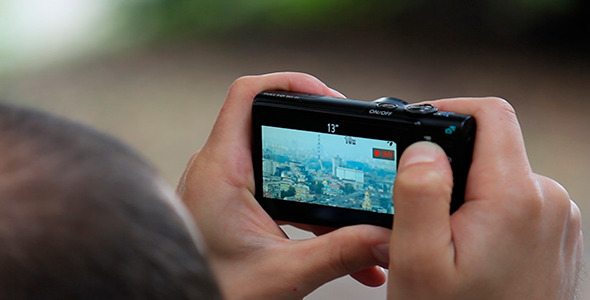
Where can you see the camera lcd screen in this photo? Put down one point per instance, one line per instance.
(328, 169)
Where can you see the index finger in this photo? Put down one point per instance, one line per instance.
(499, 154)
(228, 147)
(233, 123)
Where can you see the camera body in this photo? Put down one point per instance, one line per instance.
(329, 161)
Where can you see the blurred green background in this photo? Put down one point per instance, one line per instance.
(65, 27)
(516, 19)
(154, 73)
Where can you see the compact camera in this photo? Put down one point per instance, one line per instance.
(330, 161)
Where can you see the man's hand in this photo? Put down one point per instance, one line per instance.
(250, 254)
(517, 236)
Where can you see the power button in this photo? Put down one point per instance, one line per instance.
(421, 109)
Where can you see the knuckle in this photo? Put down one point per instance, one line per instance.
(241, 82)
(499, 103)
(536, 205)
(342, 264)
(423, 181)
(340, 261)
(532, 196)
(524, 200)
(575, 216)
(193, 157)
(556, 197)
(355, 254)
(543, 200)
(501, 106)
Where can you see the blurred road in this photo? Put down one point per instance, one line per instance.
(163, 101)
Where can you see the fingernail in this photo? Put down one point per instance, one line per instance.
(381, 253)
(421, 152)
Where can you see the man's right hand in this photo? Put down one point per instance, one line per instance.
(517, 236)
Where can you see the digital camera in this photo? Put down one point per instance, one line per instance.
(330, 161)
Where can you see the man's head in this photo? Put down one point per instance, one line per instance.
(82, 216)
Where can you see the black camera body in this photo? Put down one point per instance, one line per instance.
(329, 161)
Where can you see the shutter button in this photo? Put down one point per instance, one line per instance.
(421, 109)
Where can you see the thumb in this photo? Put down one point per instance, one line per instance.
(348, 250)
(421, 196)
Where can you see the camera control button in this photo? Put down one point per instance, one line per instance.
(421, 109)
(391, 100)
(387, 105)
(444, 114)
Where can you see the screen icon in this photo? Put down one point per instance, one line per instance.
(383, 154)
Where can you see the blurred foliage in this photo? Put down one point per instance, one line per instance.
(166, 19)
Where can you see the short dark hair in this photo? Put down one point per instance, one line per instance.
(81, 216)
